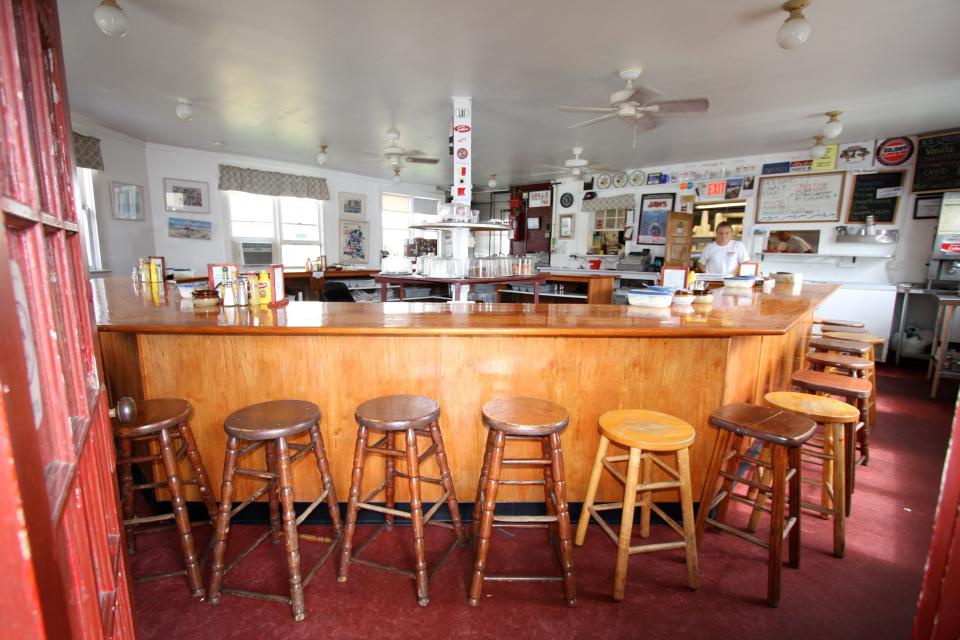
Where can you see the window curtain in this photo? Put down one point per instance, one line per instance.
(626, 201)
(272, 183)
(86, 150)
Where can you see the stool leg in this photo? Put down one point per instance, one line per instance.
(839, 509)
(795, 461)
(446, 479)
(827, 488)
(495, 449)
(775, 557)
(710, 481)
(689, 530)
(481, 488)
(323, 466)
(626, 523)
(592, 489)
(199, 471)
(549, 499)
(850, 461)
(180, 514)
(563, 520)
(646, 470)
(352, 507)
(126, 490)
(416, 518)
(291, 536)
(276, 522)
(223, 520)
(390, 479)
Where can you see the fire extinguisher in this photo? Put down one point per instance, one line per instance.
(516, 229)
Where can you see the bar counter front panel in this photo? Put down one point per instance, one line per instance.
(587, 358)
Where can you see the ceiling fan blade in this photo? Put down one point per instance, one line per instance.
(553, 166)
(567, 109)
(644, 122)
(422, 160)
(595, 120)
(691, 105)
(644, 95)
(547, 173)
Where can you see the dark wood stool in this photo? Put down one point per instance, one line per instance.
(854, 367)
(644, 434)
(846, 347)
(862, 338)
(784, 433)
(854, 391)
(269, 425)
(834, 416)
(162, 421)
(415, 416)
(526, 419)
(839, 323)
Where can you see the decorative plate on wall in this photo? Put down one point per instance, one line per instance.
(620, 180)
(566, 200)
(637, 178)
(603, 181)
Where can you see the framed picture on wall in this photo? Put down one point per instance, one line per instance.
(354, 242)
(186, 196)
(566, 225)
(352, 205)
(654, 210)
(127, 201)
(927, 206)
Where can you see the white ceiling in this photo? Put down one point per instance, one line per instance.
(274, 79)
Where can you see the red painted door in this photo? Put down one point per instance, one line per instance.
(62, 570)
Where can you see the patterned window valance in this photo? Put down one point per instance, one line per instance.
(625, 201)
(272, 183)
(87, 152)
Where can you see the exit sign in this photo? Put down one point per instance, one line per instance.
(716, 189)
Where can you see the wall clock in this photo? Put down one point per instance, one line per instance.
(566, 200)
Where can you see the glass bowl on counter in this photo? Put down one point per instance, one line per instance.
(648, 298)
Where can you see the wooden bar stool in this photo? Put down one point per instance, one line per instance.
(833, 415)
(415, 416)
(524, 419)
(269, 425)
(644, 434)
(854, 391)
(855, 368)
(839, 323)
(846, 347)
(784, 433)
(874, 342)
(164, 421)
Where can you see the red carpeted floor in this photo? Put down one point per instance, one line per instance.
(871, 593)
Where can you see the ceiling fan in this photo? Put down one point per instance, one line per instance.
(575, 166)
(397, 155)
(637, 106)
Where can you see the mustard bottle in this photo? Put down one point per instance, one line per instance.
(154, 272)
(691, 278)
(263, 288)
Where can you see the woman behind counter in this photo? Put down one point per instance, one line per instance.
(724, 254)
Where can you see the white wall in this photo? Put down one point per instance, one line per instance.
(908, 265)
(124, 160)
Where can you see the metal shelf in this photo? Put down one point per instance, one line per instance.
(475, 226)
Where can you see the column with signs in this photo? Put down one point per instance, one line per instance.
(462, 188)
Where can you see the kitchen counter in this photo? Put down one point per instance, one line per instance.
(588, 358)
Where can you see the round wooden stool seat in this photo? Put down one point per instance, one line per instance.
(397, 413)
(833, 383)
(152, 416)
(858, 337)
(272, 420)
(525, 416)
(839, 323)
(833, 328)
(849, 347)
(764, 423)
(840, 361)
(819, 408)
(647, 430)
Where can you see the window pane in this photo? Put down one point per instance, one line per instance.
(301, 232)
(249, 207)
(394, 239)
(394, 220)
(299, 211)
(426, 206)
(391, 202)
(253, 229)
(296, 255)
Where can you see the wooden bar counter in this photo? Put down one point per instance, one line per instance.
(588, 358)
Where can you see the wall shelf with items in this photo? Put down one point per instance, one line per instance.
(832, 256)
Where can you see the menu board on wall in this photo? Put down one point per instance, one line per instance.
(938, 163)
(811, 197)
(876, 194)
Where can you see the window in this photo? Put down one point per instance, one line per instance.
(397, 213)
(291, 225)
(87, 218)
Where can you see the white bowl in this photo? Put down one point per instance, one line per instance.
(655, 300)
(739, 282)
(683, 300)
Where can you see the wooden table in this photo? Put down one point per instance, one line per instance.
(588, 358)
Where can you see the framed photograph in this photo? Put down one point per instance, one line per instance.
(352, 205)
(190, 229)
(354, 242)
(127, 201)
(654, 211)
(927, 206)
(675, 277)
(533, 223)
(279, 297)
(186, 196)
(748, 269)
(215, 272)
(566, 225)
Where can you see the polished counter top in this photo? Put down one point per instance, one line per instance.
(122, 306)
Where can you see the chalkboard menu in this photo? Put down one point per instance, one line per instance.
(938, 163)
(876, 194)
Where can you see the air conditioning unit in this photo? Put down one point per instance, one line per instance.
(254, 253)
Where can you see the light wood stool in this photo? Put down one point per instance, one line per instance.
(839, 323)
(523, 419)
(833, 415)
(783, 433)
(644, 434)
